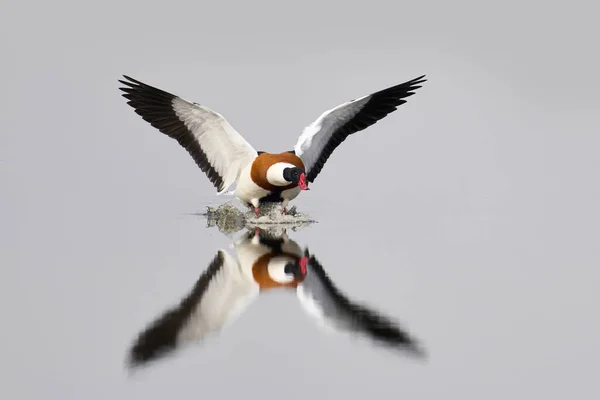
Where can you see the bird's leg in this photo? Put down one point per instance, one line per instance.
(284, 206)
(254, 202)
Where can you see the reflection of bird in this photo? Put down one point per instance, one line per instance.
(223, 291)
(227, 158)
(227, 287)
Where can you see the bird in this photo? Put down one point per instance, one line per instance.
(228, 287)
(226, 157)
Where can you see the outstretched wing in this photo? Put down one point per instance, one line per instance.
(216, 147)
(332, 310)
(219, 296)
(323, 136)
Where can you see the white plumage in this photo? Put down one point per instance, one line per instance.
(228, 294)
(315, 136)
(226, 150)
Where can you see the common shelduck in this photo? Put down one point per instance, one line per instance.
(228, 287)
(227, 158)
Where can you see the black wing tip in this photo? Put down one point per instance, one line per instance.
(407, 88)
(133, 85)
(136, 86)
(399, 338)
(142, 354)
(156, 341)
(130, 79)
(413, 84)
(139, 357)
(418, 80)
(413, 349)
(129, 82)
(388, 333)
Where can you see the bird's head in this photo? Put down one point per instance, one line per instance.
(296, 176)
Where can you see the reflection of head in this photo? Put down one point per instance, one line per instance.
(279, 270)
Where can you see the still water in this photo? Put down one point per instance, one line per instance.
(265, 260)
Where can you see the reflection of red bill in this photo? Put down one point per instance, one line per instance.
(303, 262)
(302, 182)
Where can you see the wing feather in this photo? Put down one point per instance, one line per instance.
(334, 311)
(318, 140)
(219, 296)
(216, 147)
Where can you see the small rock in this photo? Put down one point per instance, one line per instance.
(229, 218)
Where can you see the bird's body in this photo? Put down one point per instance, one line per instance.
(258, 181)
(227, 158)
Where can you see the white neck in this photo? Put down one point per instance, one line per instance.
(275, 173)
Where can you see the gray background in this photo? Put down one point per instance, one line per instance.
(470, 214)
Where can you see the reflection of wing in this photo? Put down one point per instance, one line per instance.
(219, 296)
(321, 299)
